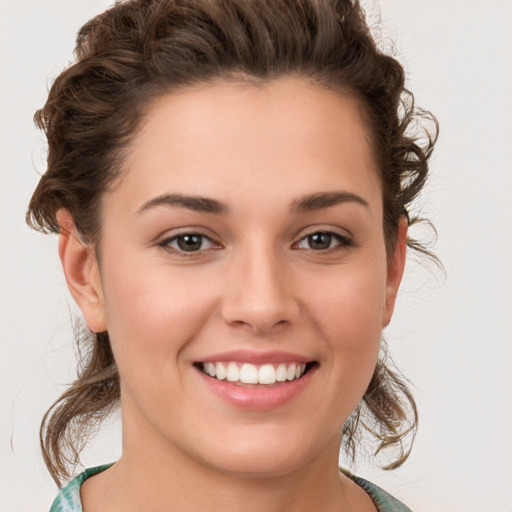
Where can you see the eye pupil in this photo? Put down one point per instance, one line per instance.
(319, 241)
(189, 242)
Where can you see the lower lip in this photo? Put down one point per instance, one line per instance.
(259, 398)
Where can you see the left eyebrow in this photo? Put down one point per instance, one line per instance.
(196, 203)
(322, 200)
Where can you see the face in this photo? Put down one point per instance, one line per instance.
(243, 279)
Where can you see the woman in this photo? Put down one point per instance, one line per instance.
(230, 182)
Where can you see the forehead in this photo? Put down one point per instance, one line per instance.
(287, 137)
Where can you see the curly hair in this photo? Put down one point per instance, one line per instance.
(139, 50)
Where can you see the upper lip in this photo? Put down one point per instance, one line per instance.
(255, 357)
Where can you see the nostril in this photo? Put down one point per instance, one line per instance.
(259, 325)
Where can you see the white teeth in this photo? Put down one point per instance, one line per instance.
(248, 373)
(233, 373)
(281, 373)
(221, 371)
(267, 374)
(290, 372)
(211, 370)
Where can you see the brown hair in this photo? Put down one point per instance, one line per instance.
(141, 49)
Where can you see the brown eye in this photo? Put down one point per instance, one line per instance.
(187, 242)
(319, 241)
(323, 241)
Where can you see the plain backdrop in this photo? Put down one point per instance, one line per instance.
(451, 336)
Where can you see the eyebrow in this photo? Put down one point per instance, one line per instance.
(322, 200)
(196, 203)
(303, 204)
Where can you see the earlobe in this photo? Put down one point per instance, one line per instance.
(81, 270)
(396, 268)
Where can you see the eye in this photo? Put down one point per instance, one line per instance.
(323, 241)
(187, 242)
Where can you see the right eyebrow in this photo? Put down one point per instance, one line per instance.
(196, 203)
(322, 200)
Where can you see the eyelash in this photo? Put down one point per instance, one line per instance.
(343, 242)
(166, 243)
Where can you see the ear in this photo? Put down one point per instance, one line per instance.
(396, 266)
(82, 273)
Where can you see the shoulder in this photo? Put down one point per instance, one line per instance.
(383, 500)
(68, 499)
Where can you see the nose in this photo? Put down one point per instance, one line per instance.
(259, 293)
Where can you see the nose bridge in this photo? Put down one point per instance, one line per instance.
(259, 294)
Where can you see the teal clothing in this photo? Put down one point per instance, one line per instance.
(68, 499)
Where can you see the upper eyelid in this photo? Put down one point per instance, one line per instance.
(167, 239)
(165, 244)
(311, 230)
(334, 234)
(345, 240)
(174, 233)
(338, 232)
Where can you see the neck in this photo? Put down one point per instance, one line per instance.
(169, 482)
(157, 476)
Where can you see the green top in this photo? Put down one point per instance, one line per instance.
(68, 499)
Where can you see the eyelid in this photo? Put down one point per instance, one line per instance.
(185, 230)
(345, 240)
(322, 228)
(165, 240)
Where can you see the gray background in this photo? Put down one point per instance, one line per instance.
(452, 337)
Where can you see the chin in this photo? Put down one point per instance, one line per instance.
(264, 456)
(268, 466)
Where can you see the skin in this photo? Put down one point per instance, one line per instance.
(256, 283)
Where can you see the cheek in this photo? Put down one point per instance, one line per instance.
(350, 305)
(348, 312)
(151, 315)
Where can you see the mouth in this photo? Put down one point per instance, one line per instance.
(253, 375)
(256, 380)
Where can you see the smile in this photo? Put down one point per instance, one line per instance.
(254, 380)
(252, 374)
